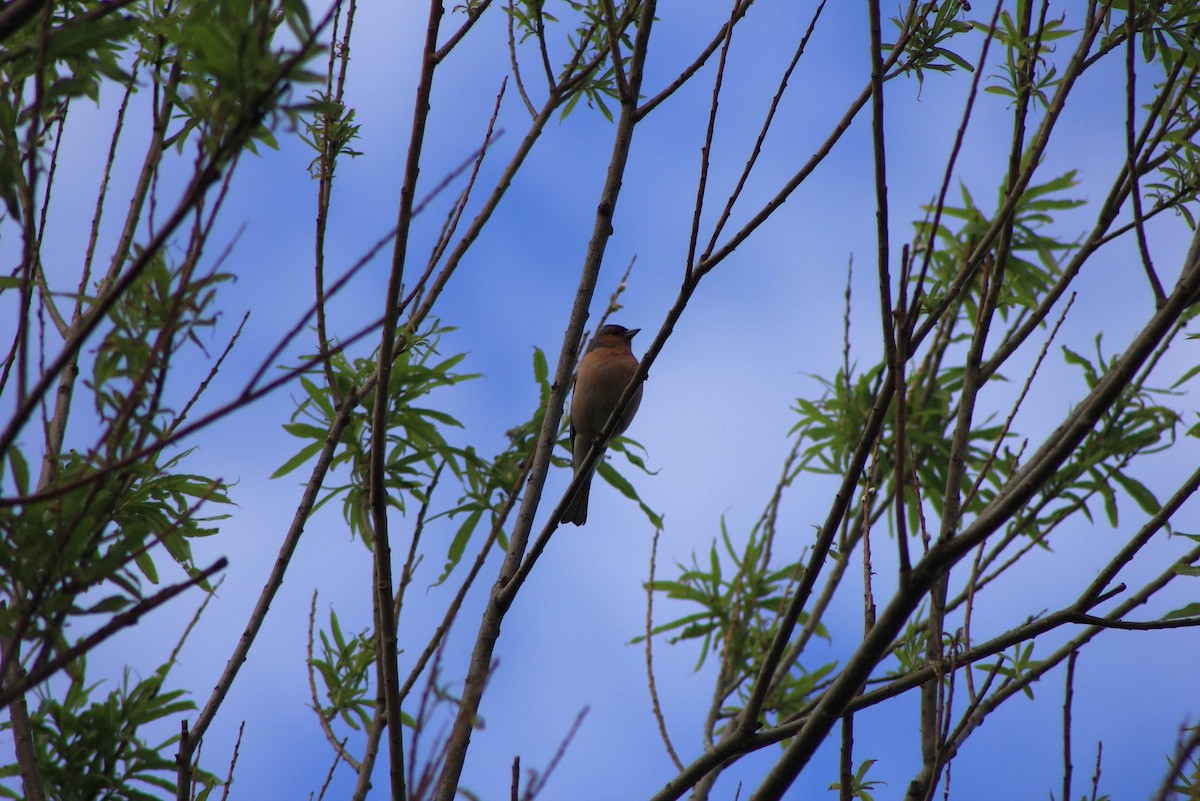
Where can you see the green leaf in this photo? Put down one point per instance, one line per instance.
(20, 470)
(459, 545)
(541, 370)
(1141, 495)
(306, 431)
(1190, 373)
(146, 565)
(306, 453)
(1191, 610)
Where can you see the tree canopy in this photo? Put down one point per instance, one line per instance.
(294, 294)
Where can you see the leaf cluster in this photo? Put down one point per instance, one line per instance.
(89, 748)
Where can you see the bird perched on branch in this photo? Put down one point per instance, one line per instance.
(604, 372)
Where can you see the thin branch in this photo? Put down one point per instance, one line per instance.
(762, 133)
(1013, 496)
(539, 783)
(506, 585)
(768, 209)
(457, 209)
(516, 66)
(118, 622)
(918, 294)
(1068, 696)
(879, 153)
(389, 679)
(706, 151)
(237, 747)
(740, 10)
(654, 704)
(339, 747)
(1016, 188)
(206, 175)
(613, 34)
(473, 15)
(272, 584)
(329, 775)
(1187, 749)
(1135, 194)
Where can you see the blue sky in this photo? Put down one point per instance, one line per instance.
(714, 418)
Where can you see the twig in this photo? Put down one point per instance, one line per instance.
(206, 175)
(1004, 429)
(706, 149)
(476, 159)
(762, 133)
(1135, 194)
(1136, 625)
(272, 584)
(451, 614)
(539, 783)
(711, 260)
(1015, 189)
(1068, 696)
(412, 560)
(613, 34)
(654, 704)
(338, 747)
(516, 66)
(846, 760)
(339, 54)
(1096, 773)
(140, 454)
(740, 11)
(337, 756)
(237, 746)
(473, 15)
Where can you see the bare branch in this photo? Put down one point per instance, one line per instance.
(654, 704)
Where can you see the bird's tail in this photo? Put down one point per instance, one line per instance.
(577, 506)
(576, 511)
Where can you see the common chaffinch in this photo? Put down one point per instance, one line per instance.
(604, 372)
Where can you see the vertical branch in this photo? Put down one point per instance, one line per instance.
(900, 375)
(745, 722)
(881, 202)
(11, 670)
(847, 791)
(1175, 780)
(706, 150)
(1135, 194)
(507, 582)
(613, 34)
(1068, 696)
(339, 59)
(18, 711)
(27, 190)
(991, 283)
(655, 705)
(846, 760)
(913, 313)
(389, 670)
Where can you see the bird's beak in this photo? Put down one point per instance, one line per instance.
(630, 334)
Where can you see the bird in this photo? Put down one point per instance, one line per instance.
(603, 373)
